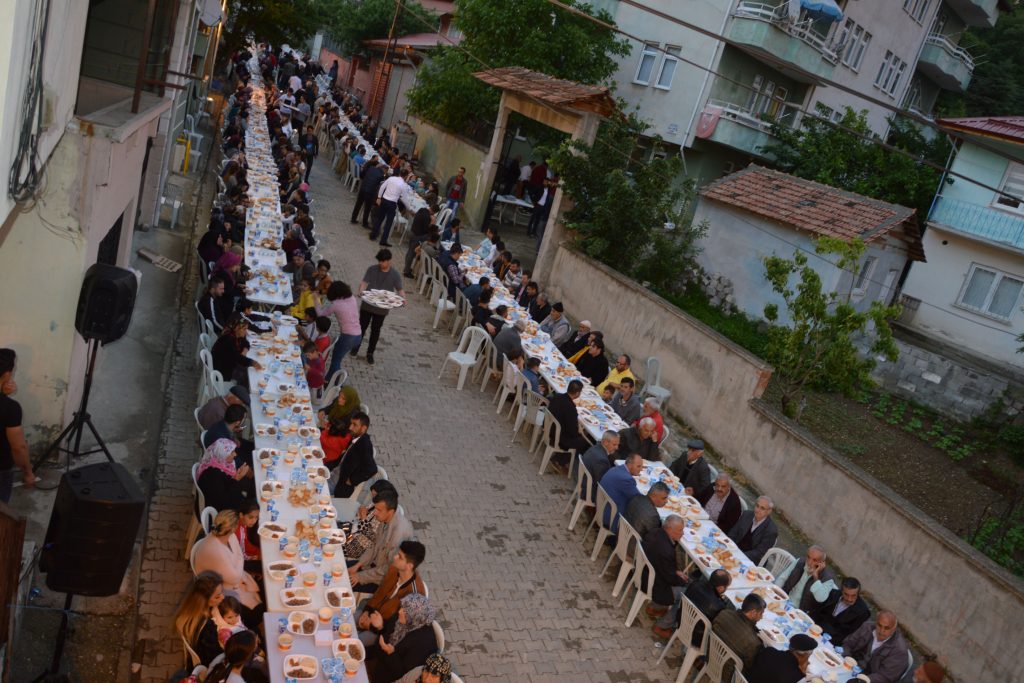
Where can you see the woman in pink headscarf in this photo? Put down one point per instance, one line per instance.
(225, 486)
(229, 267)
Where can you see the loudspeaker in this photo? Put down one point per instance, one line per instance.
(105, 302)
(93, 525)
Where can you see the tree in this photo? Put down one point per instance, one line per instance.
(997, 84)
(818, 349)
(351, 22)
(278, 22)
(621, 207)
(527, 33)
(828, 154)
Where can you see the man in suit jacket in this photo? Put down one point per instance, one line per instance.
(879, 648)
(809, 581)
(642, 511)
(563, 409)
(754, 532)
(619, 484)
(639, 439)
(598, 459)
(692, 469)
(356, 464)
(722, 503)
(669, 581)
(372, 566)
(738, 629)
(577, 341)
(843, 612)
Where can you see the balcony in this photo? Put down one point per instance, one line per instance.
(948, 65)
(983, 222)
(762, 30)
(976, 12)
(743, 130)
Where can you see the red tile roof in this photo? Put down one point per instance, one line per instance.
(816, 208)
(556, 91)
(1009, 128)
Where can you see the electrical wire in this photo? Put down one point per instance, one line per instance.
(26, 168)
(794, 245)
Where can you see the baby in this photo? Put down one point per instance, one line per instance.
(231, 614)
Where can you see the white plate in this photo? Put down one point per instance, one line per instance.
(296, 621)
(345, 598)
(273, 531)
(296, 597)
(285, 567)
(301, 667)
(340, 646)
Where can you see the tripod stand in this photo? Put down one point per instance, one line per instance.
(80, 420)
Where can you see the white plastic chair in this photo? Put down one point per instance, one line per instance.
(206, 518)
(487, 363)
(195, 414)
(652, 384)
(626, 543)
(439, 636)
(439, 298)
(581, 497)
(328, 393)
(205, 341)
(443, 215)
(604, 502)
(531, 411)
(464, 315)
(643, 581)
(465, 356)
(719, 654)
(689, 617)
(194, 526)
(510, 385)
(665, 431)
(552, 435)
(777, 561)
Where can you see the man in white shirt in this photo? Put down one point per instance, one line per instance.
(295, 83)
(809, 581)
(391, 190)
(286, 126)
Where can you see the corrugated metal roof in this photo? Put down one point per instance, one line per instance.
(1010, 128)
(816, 208)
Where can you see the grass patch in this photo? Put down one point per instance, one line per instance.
(736, 327)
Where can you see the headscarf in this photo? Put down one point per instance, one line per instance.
(439, 666)
(352, 403)
(219, 457)
(418, 613)
(228, 260)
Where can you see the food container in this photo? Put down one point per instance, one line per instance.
(301, 667)
(284, 641)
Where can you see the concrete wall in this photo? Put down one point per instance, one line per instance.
(735, 249)
(981, 165)
(938, 285)
(952, 599)
(441, 153)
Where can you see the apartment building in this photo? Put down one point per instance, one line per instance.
(903, 52)
(116, 81)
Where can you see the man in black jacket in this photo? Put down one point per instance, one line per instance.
(577, 341)
(371, 176)
(783, 666)
(563, 409)
(669, 581)
(843, 612)
(755, 533)
(693, 469)
(356, 464)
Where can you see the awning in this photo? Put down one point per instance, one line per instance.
(822, 9)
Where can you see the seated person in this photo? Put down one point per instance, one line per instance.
(642, 511)
(230, 351)
(335, 439)
(369, 569)
(879, 648)
(592, 363)
(482, 310)
(738, 629)
(639, 439)
(577, 341)
(598, 459)
(626, 404)
(669, 580)
(556, 325)
(306, 299)
(539, 308)
(707, 595)
(356, 464)
(620, 485)
(652, 409)
(843, 612)
(402, 579)
(213, 410)
(315, 366)
(783, 666)
(507, 341)
(408, 643)
(692, 469)
(562, 408)
(618, 373)
(722, 503)
(755, 533)
(224, 486)
(532, 374)
(497, 322)
(230, 427)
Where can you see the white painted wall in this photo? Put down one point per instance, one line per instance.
(60, 74)
(938, 284)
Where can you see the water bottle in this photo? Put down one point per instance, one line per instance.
(289, 580)
(281, 543)
(282, 624)
(327, 577)
(273, 515)
(335, 623)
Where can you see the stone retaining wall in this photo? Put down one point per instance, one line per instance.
(951, 598)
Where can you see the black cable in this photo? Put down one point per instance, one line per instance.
(26, 170)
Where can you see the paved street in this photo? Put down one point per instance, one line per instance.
(518, 594)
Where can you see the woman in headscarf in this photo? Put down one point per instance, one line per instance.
(230, 349)
(229, 266)
(224, 485)
(408, 640)
(344, 406)
(437, 669)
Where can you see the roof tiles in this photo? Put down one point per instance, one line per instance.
(556, 91)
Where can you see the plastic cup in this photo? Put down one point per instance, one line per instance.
(284, 641)
(309, 579)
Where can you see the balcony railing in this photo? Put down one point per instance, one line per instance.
(786, 115)
(775, 13)
(953, 50)
(980, 221)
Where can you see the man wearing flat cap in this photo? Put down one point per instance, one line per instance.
(783, 666)
(556, 324)
(693, 470)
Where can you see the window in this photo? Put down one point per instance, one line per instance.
(852, 44)
(991, 292)
(668, 67)
(1013, 184)
(647, 59)
(890, 73)
(916, 9)
(863, 279)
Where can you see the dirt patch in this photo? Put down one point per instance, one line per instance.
(957, 494)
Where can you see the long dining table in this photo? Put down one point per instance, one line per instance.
(310, 623)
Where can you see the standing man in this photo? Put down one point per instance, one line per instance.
(541, 210)
(371, 178)
(455, 192)
(380, 276)
(13, 447)
(391, 190)
(310, 146)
